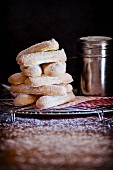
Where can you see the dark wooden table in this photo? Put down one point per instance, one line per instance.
(80, 142)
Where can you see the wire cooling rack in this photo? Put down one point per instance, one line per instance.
(93, 107)
(6, 106)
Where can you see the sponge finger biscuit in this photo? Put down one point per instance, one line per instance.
(47, 80)
(54, 69)
(17, 78)
(43, 46)
(42, 57)
(24, 99)
(45, 102)
(52, 90)
(31, 71)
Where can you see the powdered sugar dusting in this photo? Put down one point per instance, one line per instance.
(55, 144)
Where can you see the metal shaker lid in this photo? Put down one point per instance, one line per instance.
(94, 45)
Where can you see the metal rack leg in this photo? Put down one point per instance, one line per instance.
(101, 116)
(12, 117)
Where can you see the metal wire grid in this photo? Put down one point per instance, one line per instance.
(6, 106)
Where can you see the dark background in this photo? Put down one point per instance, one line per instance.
(26, 22)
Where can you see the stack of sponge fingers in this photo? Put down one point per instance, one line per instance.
(42, 79)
